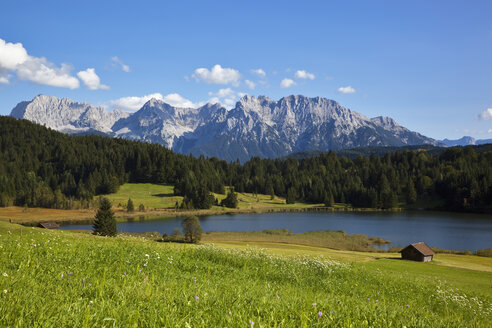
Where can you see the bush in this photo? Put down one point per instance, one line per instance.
(231, 200)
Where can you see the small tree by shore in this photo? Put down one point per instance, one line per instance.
(141, 208)
(192, 229)
(104, 221)
(129, 206)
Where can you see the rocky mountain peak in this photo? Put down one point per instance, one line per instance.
(256, 126)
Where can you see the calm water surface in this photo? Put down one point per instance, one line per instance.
(443, 230)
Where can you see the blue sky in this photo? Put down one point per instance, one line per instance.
(427, 64)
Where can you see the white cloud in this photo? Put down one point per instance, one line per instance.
(227, 97)
(176, 100)
(287, 83)
(347, 89)
(250, 84)
(261, 73)
(4, 76)
(117, 62)
(91, 80)
(489, 131)
(133, 103)
(485, 115)
(217, 75)
(14, 58)
(223, 93)
(12, 55)
(301, 74)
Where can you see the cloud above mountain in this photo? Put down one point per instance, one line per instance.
(116, 62)
(227, 97)
(346, 90)
(132, 103)
(302, 74)
(287, 83)
(217, 75)
(15, 59)
(485, 115)
(261, 73)
(91, 79)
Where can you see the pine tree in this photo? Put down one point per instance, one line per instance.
(129, 206)
(412, 193)
(105, 222)
(329, 200)
(291, 196)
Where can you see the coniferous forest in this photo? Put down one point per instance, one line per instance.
(45, 168)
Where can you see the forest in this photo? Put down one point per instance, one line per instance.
(40, 167)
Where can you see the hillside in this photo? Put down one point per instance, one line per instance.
(127, 281)
(40, 167)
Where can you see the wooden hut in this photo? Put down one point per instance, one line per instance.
(49, 225)
(417, 252)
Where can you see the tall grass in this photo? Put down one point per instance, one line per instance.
(61, 279)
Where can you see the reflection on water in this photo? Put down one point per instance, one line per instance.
(443, 230)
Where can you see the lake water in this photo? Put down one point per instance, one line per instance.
(438, 229)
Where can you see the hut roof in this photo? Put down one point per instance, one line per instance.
(49, 225)
(422, 248)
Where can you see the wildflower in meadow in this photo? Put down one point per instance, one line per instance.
(5, 274)
(194, 279)
(252, 323)
(320, 314)
(196, 298)
(124, 274)
(5, 291)
(70, 273)
(230, 313)
(314, 304)
(408, 306)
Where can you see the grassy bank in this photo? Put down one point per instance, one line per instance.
(328, 239)
(56, 278)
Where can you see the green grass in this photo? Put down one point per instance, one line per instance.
(329, 239)
(64, 279)
(149, 194)
(162, 197)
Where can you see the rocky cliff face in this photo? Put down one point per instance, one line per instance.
(67, 115)
(256, 126)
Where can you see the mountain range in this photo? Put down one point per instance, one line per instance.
(465, 141)
(256, 126)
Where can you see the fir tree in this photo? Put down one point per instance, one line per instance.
(129, 206)
(105, 222)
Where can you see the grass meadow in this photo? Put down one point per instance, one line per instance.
(60, 279)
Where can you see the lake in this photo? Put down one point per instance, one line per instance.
(459, 231)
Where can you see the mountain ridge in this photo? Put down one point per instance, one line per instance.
(256, 126)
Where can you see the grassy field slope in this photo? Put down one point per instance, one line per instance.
(159, 200)
(60, 279)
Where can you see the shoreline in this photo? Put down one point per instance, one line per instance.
(34, 216)
(66, 217)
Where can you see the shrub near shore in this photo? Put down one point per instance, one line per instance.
(68, 279)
